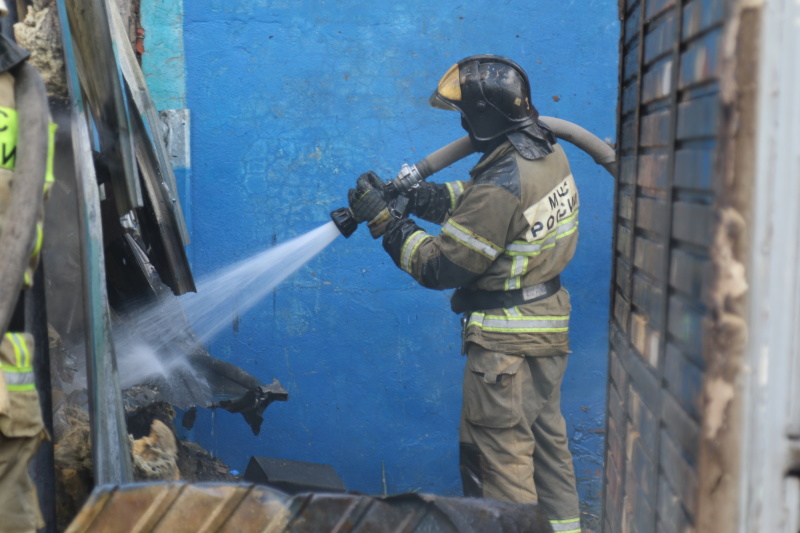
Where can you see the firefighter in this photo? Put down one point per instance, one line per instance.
(21, 426)
(506, 236)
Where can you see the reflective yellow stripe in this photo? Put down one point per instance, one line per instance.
(472, 240)
(410, 249)
(49, 176)
(15, 369)
(17, 353)
(525, 324)
(8, 137)
(519, 266)
(19, 341)
(39, 239)
(455, 188)
(8, 143)
(19, 377)
(21, 388)
(566, 227)
(572, 525)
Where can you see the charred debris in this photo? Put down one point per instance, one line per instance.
(115, 242)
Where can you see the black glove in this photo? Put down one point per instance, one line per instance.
(367, 204)
(397, 232)
(431, 202)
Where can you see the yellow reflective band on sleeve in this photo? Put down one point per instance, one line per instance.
(8, 137)
(455, 188)
(410, 249)
(49, 176)
(519, 266)
(472, 240)
(522, 324)
(572, 525)
(566, 227)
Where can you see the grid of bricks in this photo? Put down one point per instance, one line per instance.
(664, 225)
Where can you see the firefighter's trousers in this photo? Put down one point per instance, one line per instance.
(21, 433)
(513, 435)
(19, 506)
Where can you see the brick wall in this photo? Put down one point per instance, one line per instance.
(666, 220)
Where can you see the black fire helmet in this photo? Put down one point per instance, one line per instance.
(491, 92)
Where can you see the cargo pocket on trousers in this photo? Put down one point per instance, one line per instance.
(492, 392)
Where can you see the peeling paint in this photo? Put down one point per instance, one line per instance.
(719, 467)
(719, 394)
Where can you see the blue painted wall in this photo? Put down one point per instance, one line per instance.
(164, 61)
(290, 102)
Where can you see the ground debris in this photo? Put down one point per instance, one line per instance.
(155, 456)
(158, 455)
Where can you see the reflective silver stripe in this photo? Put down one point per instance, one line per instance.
(471, 240)
(410, 248)
(455, 188)
(18, 378)
(566, 526)
(518, 267)
(567, 227)
(512, 311)
(530, 324)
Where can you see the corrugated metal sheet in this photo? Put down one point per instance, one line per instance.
(241, 508)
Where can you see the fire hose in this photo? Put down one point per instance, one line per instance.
(19, 225)
(395, 192)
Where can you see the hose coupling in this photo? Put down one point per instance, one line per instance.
(408, 178)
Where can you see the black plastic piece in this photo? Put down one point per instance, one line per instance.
(293, 477)
(344, 220)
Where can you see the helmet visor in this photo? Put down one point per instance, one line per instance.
(448, 91)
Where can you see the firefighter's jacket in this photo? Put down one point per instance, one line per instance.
(513, 225)
(8, 147)
(19, 405)
(21, 426)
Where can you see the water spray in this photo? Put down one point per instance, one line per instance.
(156, 343)
(225, 294)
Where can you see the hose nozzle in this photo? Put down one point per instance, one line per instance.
(345, 221)
(409, 177)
